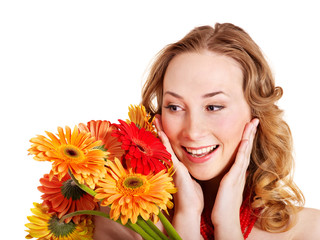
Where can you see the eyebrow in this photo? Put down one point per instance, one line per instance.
(173, 94)
(211, 94)
(207, 95)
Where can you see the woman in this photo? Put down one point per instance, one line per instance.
(216, 114)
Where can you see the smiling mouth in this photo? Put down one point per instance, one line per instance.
(201, 152)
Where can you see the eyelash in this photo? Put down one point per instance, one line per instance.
(214, 108)
(171, 106)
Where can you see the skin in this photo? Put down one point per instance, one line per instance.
(204, 105)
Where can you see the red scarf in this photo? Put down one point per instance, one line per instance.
(247, 221)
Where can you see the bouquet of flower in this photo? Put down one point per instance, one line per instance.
(123, 166)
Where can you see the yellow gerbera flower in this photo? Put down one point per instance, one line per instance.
(138, 115)
(132, 194)
(75, 151)
(44, 225)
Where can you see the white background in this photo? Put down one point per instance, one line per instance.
(65, 62)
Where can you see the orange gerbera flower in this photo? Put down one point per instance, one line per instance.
(139, 115)
(144, 152)
(45, 225)
(132, 194)
(75, 151)
(102, 130)
(64, 197)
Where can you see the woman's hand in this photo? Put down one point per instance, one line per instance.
(188, 200)
(225, 212)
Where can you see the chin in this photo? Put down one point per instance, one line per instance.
(202, 174)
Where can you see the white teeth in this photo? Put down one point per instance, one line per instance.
(201, 151)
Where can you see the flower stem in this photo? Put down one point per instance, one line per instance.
(138, 229)
(169, 228)
(82, 186)
(85, 212)
(129, 224)
(142, 223)
(157, 230)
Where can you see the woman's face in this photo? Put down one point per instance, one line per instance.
(204, 111)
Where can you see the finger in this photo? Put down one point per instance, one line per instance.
(158, 123)
(239, 164)
(240, 160)
(164, 139)
(244, 151)
(254, 123)
(247, 131)
(243, 156)
(179, 166)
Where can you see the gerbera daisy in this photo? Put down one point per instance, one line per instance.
(139, 115)
(102, 130)
(144, 152)
(64, 197)
(45, 225)
(132, 194)
(75, 151)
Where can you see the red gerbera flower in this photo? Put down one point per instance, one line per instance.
(144, 152)
(63, 197)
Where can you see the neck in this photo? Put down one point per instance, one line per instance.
(210, 190)
(210, 187)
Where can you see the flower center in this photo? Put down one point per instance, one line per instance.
(133, 182)
(72, 153)
(60, 229)
(143, 147)
(69, 189)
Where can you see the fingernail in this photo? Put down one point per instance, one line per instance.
(257, 122)
(156, 124)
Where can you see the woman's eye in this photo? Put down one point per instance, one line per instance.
(173, 108)
(213, 107)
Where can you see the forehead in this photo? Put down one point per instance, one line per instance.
(203, 72)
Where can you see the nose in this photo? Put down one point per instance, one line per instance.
(195, 127)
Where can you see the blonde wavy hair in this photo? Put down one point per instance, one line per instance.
(269, 183)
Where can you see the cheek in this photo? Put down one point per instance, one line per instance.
(230, 129)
